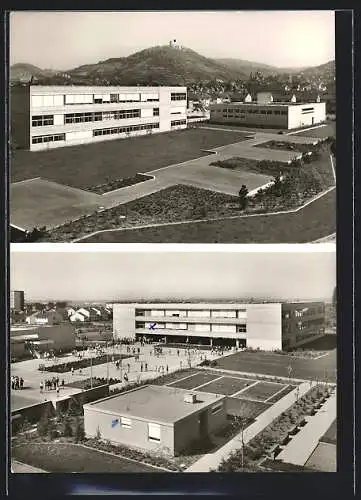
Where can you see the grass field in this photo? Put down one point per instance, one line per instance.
(262, 391)
(194, 381)
(276, 365)
(226, 386)
(328, 130)
(312, 222)
(64, 457)
(92, 164)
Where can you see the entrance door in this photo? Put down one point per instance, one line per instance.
(203, 424)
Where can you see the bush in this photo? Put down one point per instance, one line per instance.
(67, 428)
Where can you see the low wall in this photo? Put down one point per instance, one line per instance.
(80, 398)
(32, 413)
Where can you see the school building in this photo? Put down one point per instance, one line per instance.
(267, 326)
(44, 117)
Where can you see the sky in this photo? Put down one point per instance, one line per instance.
(64, 40)
(155, 275)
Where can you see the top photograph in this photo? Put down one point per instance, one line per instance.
(172, 127)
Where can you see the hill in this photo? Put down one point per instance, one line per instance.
(326, 70)
(24, 72)
(162, 65)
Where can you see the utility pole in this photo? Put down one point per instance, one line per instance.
(106, 347)
(91, 371)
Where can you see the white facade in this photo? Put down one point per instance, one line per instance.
(253, 325)
(68, 115)
(268, 114)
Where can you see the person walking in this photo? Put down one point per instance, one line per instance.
(63, 384)
(72, 370)
(146, 367)
(57, 392)
(57, 381)
(141, 367)
(167, 369)
(41, 387)
(21, 383)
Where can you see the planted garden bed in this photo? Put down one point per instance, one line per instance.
(81, 363)
(96, 381)
(119, 183)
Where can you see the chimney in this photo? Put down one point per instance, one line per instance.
(190, 398)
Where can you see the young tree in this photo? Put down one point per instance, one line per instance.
(242, 196)
(43, 424)
(67, 429)
(79, 431)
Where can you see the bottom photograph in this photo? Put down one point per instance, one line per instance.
(172, 361)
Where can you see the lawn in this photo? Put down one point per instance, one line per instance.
(261, 391)
(279, 395)
(173, 204)
(89, 165)
(226, 386)
(276, 365)
(195, 381)
(329, 130)
(65, 457)
(315, 221)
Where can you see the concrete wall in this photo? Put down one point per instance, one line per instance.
(63, 335)
(124, 321)
(264, 326)
(32, 413)
(187, 430)
(136, 436)
(83, 397)
(19, 116)
(298, 119)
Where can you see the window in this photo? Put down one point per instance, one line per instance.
(155, 111)
(217, 409)
(176, 123)
(269, 112)
(114, 97)
(263, 112)
(283, 112)
(125, 422)
(154, 432)
(139, 324)
(199, 314)
(241, 328)
(277, 112)
(125, 130)
(48, 138)
(224, 328)
(177, 96)
(223, 314)
(42, 120)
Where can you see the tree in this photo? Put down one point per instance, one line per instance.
(67, 429)
(43, 424)
(242, 196)
(333, 146)
(98, 434)
(79, 433)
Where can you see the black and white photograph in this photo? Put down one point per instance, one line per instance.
(169, 361)
(172, 127)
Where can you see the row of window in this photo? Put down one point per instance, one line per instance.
(176, 123)
(193, 313)
(200, 327)
(101, 115)
(76, 99)
(42, 120)
(252, 111)
(122, 130)
(178, 96)
(48, 138)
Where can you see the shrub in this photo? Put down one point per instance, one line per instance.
(67, 428)
(98, 434)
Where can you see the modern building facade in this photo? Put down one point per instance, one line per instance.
(40, 338)
(156, 418)
(17, 300)
(265, 113)
(268, 326)
(44, 117)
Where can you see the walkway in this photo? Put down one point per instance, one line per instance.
(18, 467)
(303, 444)
(211, 461)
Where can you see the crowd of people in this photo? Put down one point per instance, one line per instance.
(51, 384)
(17, 382)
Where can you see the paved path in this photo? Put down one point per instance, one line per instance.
(303, 444)
(18, 467)
(211, 461)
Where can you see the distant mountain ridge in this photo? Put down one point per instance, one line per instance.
(164, 65)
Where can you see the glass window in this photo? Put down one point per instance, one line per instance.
(125, 422)
(154, 432)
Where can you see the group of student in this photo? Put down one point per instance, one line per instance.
(51, 384)
(16, 382)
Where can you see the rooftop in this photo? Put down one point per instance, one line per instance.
(154, 403)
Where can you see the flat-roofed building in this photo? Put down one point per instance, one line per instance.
(42, 338)
(17, 300)
(266, 113)
(156, 418)
(268, 326)
(44, 117)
